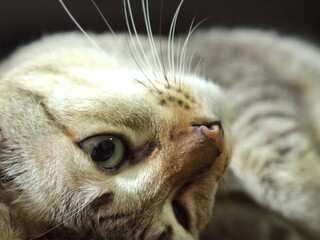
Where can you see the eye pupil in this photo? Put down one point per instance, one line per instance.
(102, 151)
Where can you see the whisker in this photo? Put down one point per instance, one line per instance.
(147, 86)
(177, 52)
(171, 36)
(58, 225)
(80, 28)
(184, 51)
(138, 55)
(155, 55)
(129, 53)
(129, 50)
(143, 72)
(146, 15)
(161, 49)
(142, 83)
(128, 10)
(104, 19)
(191, 61)
(183, 55)
(196, 70)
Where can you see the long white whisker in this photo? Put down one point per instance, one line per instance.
(104, 19)
(196, 70)
(190, 61)
(138, 49)
(143, 72)
(113, 33)
(136, 62)
(147, 86)
(161, 49)
(80, 28)
(176, 54)
(130, 53)
(185, 45)
(184, 51)
(127, 5)
(58, 225)
(171, 52)
(146, 15)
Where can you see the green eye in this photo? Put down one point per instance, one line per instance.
(106, 151)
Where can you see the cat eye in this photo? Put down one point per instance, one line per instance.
(106, 151)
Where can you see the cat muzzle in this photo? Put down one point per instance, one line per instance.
(198, 151)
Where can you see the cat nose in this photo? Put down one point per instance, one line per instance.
(212, 130)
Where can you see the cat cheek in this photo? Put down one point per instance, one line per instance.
(48, 150)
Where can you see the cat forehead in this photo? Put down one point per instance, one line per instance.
(81, 76)
(182, 93)
(74, 85)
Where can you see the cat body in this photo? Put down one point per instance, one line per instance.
(62, 90)
(272, 87)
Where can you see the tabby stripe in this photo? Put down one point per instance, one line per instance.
(274, 113)
(103, 200)
(116, 217)
(256, 119)
(147, 150)
(240, 107)
(39, 99)
(260, 92)
(54, 121)
(142, 235)
(282, 135)
(280, 159)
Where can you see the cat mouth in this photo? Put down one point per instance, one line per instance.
(180, 210)
(181, 214)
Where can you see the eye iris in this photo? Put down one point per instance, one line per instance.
(103, 150)
(106, 151)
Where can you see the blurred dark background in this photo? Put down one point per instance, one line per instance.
(22, 21)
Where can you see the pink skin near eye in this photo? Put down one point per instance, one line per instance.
(47, 150)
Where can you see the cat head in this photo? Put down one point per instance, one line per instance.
(93, 149)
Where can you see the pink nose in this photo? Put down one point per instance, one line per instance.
(214, 132)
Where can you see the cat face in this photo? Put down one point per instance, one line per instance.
(94, 150)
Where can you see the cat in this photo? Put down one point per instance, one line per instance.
(127, 136)
(94, 146)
